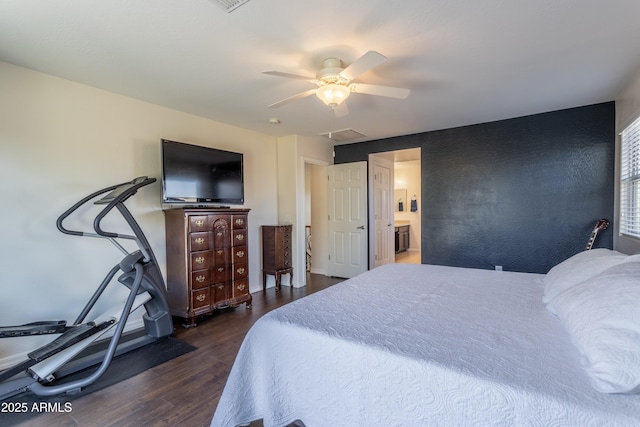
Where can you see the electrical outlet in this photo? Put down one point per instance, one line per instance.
(498, 268)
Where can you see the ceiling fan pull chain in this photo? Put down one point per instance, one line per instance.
(332, 121)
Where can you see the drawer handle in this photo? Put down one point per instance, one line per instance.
(241, 287)
(239, 221)
(240, 237)
(240, 254)
(221, 287)
(219, 251)
(200, 240)
(200, 297)
(219, 234)
(199, 223)
(200, 259)
(240, 270)
(200, 278)
(220, 269)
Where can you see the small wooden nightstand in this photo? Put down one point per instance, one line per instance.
(276, 253)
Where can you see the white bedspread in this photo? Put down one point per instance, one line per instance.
(417, 345)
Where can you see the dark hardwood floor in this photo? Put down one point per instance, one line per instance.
(185, 390)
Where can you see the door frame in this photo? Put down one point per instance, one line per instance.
(300, 267)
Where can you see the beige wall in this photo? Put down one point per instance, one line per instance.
(60, 141)
(287, 154)
(627, 110)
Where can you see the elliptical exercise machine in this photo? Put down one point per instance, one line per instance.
(76, 347)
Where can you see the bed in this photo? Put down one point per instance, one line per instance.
(417, 345)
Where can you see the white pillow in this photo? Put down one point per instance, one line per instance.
(602, 317)
(577, 269)
(633, 258)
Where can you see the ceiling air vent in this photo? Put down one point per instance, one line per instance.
(229, 5)
(343, 135)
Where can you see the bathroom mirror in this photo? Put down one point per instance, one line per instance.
(400, 200)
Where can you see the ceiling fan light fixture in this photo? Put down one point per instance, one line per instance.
(333, 94)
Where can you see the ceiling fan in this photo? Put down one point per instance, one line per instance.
(335, 82)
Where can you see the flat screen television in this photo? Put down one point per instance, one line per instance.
(192, 174)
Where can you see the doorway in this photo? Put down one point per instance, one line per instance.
(407, 195)
(313, 230)
(402, 200)
(313, 243)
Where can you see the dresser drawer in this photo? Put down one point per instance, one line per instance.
(221, 273)
(198, 241)
(221, 292)
(240, 255)
(200, 299)
(220, 257)
(239, 238)
(238, 222)
(200, 279)
(221, 237)
(240, 288)
(200, 260)
(198, 223)
(240, 271)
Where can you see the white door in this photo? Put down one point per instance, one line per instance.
(383, 212)
(347, 206)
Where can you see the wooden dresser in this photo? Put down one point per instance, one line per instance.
(207, 260)
(276, 253)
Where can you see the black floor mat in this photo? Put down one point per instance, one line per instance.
(121, 368)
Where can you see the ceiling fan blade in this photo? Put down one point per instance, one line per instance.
(388, 91)
(363, 64)
(290, 76)
(293, 98)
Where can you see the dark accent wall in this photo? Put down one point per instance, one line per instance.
(523, 193)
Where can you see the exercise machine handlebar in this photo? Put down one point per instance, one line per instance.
(115, 198)
(117, 194)
(75, 207)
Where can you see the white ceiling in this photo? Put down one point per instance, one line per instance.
(465, 61)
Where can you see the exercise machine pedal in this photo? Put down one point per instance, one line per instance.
(34, 328)
(73, 335)
(68, 338)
